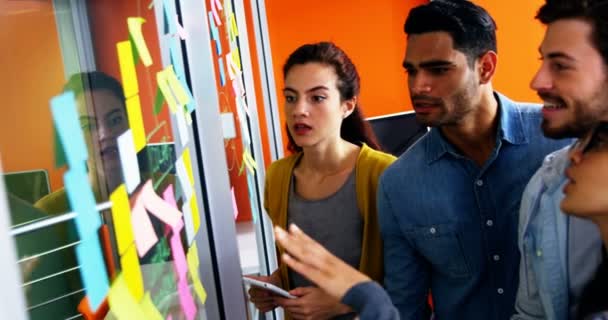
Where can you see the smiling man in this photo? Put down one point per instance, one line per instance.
(560, 253)
(448, 207)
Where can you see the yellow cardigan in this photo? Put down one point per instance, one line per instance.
(369, 167)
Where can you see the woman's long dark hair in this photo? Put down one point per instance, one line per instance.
(355, 128)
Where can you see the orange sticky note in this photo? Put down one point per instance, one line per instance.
(122, 303)
(196, 220)
(127, 68)
(134, 24)
(188, 164)
(131, 270)
(121, 215)
(136, 122)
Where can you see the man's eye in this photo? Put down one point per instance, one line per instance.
(439, 71)
(558, 67)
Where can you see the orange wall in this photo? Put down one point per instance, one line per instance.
(32, 74)
(371, 33)
(519, 36)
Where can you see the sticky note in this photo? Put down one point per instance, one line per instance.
(222, 74)
(182, 128)
(127, 68)
(228, 125)
(121, 216)
(216, 16)
(169, 13)
(65, 118)
(196, 219)
(128, 160)
(163, 84)
(186, 300)
(158, 207)
(188, 164)
(179, 258)
(158, 102)
(182, 176)
(136, 122)
(145, 238)
(129, 263)
(82, 201)
(149, 309)
(193, 264)
(180, 30)
(231, 73)
(249, 162)
(122, 303)
(235, 208)
(235, 28)
(212, 26)
(252, 200)
(176, 87)
(92, 270)
(134, 24)
(236, 58)
(188, 223)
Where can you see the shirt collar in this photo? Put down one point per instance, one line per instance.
(510, 129)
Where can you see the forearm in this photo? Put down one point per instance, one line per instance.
(371, 302)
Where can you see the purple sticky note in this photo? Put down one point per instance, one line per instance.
(186, 300)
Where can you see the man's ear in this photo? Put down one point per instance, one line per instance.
(486, 66)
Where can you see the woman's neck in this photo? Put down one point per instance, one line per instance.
(327, 158)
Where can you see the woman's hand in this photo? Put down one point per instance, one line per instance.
(312, 303)
(264, 299)
(308, 258)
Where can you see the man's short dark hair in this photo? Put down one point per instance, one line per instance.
(472, 29)
(595, 12)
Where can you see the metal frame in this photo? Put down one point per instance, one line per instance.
(12, 299)
(212, 161)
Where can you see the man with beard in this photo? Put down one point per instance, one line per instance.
(448, 207)
(560, 253)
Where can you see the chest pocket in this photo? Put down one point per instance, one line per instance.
(442, 247)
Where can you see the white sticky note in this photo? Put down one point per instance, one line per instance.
(182, 127)
(228, 127)
(128, 159)
(188, 222)
(184, 179)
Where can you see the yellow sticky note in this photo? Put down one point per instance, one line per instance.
(134, 24)
(149, 309)
(236, 58)
(188, 164)
(163, 84)
(127, 68)
(235, 29)
(122, 303)
(193, 263)
(196, 220)
(121, 215)
(131, 270)
(176, 86)
(136, 122)
(249, 162)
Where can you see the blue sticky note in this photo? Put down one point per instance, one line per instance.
(170, 16)
(92, 270)
(222, 74)
(65, 118)
(82, 201)
(176, 57)
(212, 26)
(192, 104)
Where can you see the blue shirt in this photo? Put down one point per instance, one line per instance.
(450, 226)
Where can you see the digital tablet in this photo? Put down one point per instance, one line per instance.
(268, 286)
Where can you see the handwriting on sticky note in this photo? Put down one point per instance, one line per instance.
(128, 160)
(65, 118)
(134, 24)
(131, 270)
(136, 122)
(145, 238)
(122, 303)
(121, 216)
(92, 270)
(127, 68)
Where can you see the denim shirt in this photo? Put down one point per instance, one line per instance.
(450, 226)
(543, 239)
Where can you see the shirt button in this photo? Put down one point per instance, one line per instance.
(500, 291)
(496, 257)
(432, 230)
(489, 223)
(479, 183)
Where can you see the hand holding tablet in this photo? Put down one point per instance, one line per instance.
(268, 286)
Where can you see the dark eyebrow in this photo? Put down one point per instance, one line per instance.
(309, 90)
(555, 55)
(429, 64)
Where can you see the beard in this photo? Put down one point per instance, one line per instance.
(453, 109)
(586, 115)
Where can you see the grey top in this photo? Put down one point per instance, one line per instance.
(583, 237)
(335, 222)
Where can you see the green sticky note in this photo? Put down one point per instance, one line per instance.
(158, 102)
(59, 152)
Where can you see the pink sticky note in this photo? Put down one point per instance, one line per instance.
(169, 317)
(186, 299)
(145, 238)
(216, 17)
(235, 208)
(179, 257)
(159, 207)
(180, 30)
